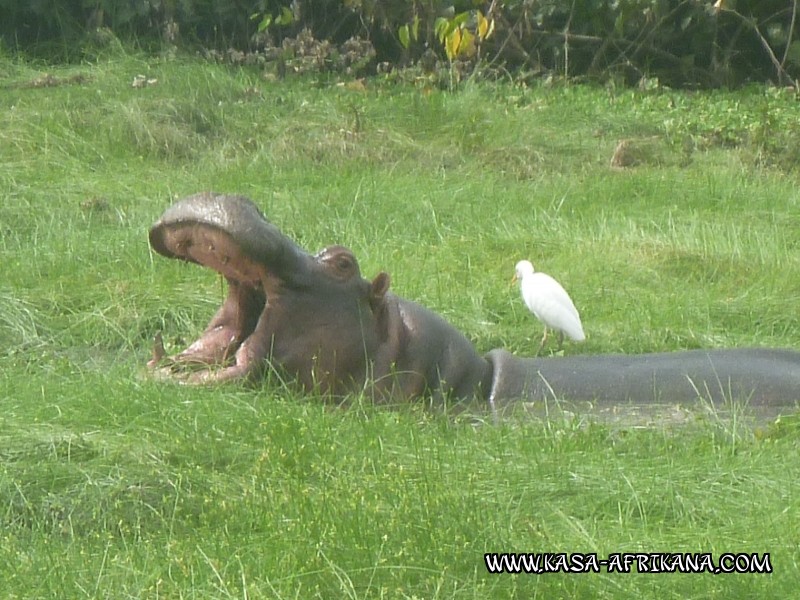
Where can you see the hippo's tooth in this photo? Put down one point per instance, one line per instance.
(158, 348)
(226, 353)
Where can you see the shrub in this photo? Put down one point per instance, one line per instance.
(678, 42)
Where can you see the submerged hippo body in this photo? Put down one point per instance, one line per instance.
(758, 376)
(316, 320)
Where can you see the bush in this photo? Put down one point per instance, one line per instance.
(679, 42)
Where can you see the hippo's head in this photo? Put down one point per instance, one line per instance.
(313, 317)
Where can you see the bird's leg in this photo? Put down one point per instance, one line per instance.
(560, 340)
(544, 339)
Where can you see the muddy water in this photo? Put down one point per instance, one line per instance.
(630, 415)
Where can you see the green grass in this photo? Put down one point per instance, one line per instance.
(113, 485)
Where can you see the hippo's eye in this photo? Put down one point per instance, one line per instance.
(338, 261)
(344, 263)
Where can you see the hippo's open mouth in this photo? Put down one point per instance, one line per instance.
(199, 232)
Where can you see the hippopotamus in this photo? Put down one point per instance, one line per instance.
(317, 321)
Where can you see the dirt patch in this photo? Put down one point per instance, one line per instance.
(47, 81)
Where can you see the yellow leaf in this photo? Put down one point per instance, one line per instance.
(452, 43)
(485, 26)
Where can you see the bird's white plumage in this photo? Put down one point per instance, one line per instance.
(549, 302)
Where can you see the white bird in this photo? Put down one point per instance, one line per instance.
(549, 302)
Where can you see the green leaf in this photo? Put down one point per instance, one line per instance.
(467, 46)
(459, 19)
(404, 36)
(440, 27)
(286, 17)
(265, 22)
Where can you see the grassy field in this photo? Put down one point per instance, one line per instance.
(112, 485)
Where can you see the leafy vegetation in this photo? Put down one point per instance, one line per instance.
(113, 485)
(679, 42)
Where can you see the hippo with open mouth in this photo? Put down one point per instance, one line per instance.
(315, 319)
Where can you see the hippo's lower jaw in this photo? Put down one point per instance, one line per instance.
(229, 347)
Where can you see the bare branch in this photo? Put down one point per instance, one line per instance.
(781, 72)
(791, 34)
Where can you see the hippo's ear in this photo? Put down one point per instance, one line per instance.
(378, 289)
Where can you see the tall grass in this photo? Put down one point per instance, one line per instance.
(113, 485)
